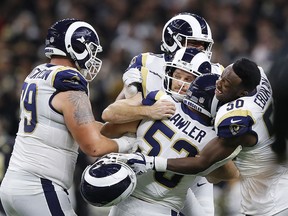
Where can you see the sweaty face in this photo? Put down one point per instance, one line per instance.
(181, 81)
(228, 87)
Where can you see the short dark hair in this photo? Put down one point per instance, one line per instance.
(248, 72)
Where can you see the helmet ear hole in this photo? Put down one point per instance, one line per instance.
(170, 41)
(79, 48)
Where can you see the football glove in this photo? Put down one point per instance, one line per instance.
(139, 162)
(132, 77)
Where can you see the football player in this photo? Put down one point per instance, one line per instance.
(55, 120)
(147, 70)
(146, 73)
(182, 135)
(243, 121)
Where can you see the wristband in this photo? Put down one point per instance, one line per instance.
(123, 145)
(160, 164)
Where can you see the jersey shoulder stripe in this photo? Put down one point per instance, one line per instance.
(217, 68)
(152, 97)
(66, 79)
(235, 125)
(145, 60)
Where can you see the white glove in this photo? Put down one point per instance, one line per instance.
(125, 143)
(139, 162)
(108, 158)
(130, 91)
(136, 161)
(132, 77)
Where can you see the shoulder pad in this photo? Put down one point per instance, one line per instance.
(217, 68)
(68, 79)
(156, 55)
(153, 96)
(233, 123)
(141, 59)
(136, 62)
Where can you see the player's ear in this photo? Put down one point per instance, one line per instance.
(244, 93)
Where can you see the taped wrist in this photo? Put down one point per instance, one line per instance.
(123, 145)
(160, 164)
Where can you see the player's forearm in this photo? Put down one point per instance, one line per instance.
(189, 165)
(126, 110)
(215, 154)
(117, 130)
(124, 113)
(211, 154)
(226, 172)
(112, 130)
(203, 164)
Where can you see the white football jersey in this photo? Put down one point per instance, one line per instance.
(152, 67)
(260, 172)
(183, 135)
(44, 147)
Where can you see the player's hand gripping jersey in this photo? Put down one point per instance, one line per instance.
(257, 164)
(152, 67)
(183, 135)
(37, 115)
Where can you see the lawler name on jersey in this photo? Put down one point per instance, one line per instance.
(182, 135)
(184, 124)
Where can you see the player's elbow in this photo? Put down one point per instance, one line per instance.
(97, 150)
(108, 115)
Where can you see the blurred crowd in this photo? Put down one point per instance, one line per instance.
(256, 29)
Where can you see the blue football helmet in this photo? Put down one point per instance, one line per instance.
(201, 95)
(77, 40)
(190, 60)
(105, 184)
(183, 27)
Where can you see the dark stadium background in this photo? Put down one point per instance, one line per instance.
(256, 29)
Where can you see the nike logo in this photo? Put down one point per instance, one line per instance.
(235, 121)
(200, 184)
(74, 74)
